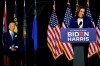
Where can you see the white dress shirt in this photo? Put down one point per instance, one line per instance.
(11, 33)
(78, 22)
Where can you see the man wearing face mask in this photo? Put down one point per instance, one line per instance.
(81, 21)
(12, 46)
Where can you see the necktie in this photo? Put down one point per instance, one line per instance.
(12, 35)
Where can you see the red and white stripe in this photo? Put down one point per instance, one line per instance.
(53, 40)
(93, 47)
(67, 47)
(98, 39)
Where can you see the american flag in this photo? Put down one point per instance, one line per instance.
(67, 47)
(98, 34)
(53, 36)
(93, 47)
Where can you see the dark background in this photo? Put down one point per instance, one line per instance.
(43, 57)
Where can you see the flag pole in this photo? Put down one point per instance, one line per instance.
(24, 34)
(4, 30)
(35, 15)
(77, 4)
(98, 40)
(68, 3)
(87, 4)
(54, 9)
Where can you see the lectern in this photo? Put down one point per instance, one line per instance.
(78, 35)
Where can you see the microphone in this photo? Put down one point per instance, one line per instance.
(80, 23)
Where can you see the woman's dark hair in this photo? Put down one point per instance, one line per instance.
(78, 10)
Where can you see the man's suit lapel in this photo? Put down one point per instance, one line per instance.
(9, 36)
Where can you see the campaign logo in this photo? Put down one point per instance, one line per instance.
(76, 35)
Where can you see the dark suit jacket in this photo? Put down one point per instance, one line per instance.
(86, 23)
(7, 40)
